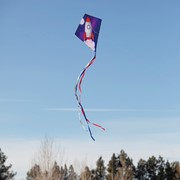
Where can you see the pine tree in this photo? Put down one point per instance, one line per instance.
(151, 166)
(176, 170)
(169, 171)
(56, 172)
(100, 172)
(71, 173)
(141, 171)
(126, 169)
(62, 173)
(65, 174)
(160, 168)
(86, 174)
(112, 168)
(34, 173)
(5, 173)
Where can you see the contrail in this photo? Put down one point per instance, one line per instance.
(112, 110)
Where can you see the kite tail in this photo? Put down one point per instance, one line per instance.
(78, 97)
(79, 111)
(91, 133)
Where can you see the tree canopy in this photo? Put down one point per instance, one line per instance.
(5, 171)
(119, 167)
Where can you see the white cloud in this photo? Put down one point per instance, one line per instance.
(82, 21)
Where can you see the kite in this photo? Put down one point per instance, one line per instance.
(87, 31)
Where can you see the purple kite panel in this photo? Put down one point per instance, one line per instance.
(88, 31)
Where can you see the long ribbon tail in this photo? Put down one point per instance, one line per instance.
(78, 96)
(79, 110)
(91, 133)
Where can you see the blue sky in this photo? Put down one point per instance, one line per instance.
(132, 89)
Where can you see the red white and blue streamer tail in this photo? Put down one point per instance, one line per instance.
(78, 93)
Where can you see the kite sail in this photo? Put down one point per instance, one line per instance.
(88, 32)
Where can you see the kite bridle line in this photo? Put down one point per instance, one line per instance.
(78, 97)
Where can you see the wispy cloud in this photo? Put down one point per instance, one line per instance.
(113, 110)
(61, 109)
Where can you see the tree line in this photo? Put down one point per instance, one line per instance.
(119, 167)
